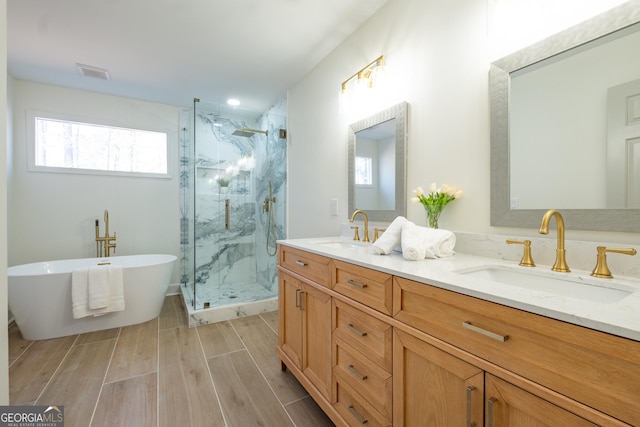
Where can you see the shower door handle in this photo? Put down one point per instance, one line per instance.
(226, 214)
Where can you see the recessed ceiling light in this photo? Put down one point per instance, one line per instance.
(233, 102)
(96, 72)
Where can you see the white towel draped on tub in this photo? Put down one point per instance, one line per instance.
(391, 238)
(97, 290)
(422, 242)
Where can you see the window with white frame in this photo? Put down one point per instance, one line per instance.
(72, 146)
(364, 171)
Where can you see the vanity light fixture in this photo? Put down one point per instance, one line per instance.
(359, 83)
(365, 77)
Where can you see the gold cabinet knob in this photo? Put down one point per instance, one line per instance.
(527, 259)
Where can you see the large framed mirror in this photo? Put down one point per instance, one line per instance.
(565, 127)
(377, 164)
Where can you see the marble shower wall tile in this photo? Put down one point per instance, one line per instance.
(237, 254)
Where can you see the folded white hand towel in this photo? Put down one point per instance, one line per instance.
(116, 280)
(391, 238)
(80, 293)
(99, 287)
(422, 242)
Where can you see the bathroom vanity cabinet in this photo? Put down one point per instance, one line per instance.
(305, 316)
(375, 348)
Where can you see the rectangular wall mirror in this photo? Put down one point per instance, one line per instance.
(565, 127)
(377, 164)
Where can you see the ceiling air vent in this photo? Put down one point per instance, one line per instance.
(89, 71)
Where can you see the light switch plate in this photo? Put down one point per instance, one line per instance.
(334, 207)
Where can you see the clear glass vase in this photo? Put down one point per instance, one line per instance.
(432, 213)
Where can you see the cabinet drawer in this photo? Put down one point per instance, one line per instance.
(370, 381)
(595, 368)
(369, 287)
(507, 405)
(354, 409)
(311, 266)
(371, 336)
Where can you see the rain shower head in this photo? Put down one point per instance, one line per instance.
(247, 132)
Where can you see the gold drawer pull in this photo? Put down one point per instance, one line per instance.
(470, 390)
(356, 331)
(490, 404)
(492, 335)
(356, 373)
(299, 298)
(356, 284)
(301, 263)
(357, 416)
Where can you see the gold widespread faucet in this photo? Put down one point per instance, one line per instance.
(527, 259)
(366, 223)
(107, 242)
(376, 233)
(356, 235)
(601, 269)
(561, 262)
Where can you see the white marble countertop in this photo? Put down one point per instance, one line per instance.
(620, 317)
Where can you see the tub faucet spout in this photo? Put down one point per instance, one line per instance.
(107, 242)
(561, 262)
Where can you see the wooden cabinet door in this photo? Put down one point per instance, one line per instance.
(432, 387)
(508, 405)
(316, 315)
(290, 296)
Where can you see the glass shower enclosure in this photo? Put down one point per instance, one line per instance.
(233, 187)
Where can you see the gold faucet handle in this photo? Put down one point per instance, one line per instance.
(602, 270)
(376, 233)
(356, 235)
(527, 259)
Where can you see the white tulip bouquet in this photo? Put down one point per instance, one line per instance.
(436, 200)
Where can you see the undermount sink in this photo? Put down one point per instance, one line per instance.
(559, 284)
(342, 244)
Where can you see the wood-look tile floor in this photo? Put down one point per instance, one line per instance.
(163, 373)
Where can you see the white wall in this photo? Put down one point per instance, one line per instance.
(437, 60)
(52, 215)
(4, 135)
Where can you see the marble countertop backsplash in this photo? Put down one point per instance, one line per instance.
(581, 255)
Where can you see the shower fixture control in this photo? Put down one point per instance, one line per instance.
(107, 242)
(272, 234)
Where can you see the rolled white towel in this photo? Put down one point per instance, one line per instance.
(391, 238)
(422, 242)
(413, 244)
(439, 243)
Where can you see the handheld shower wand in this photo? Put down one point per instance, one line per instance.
(271, 226)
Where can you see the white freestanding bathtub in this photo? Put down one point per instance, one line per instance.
(40, 294)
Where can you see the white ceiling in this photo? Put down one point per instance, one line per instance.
(170, 51)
